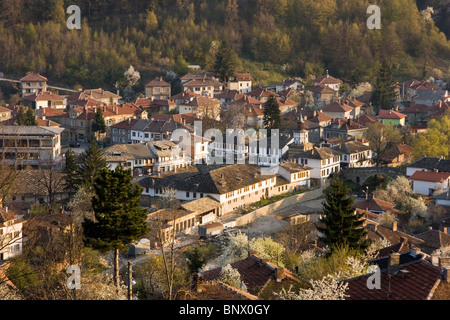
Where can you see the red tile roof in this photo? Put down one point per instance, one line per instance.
(255, 272)
(33, 77)
(417, 284)
(375, 204)
(326, 79)
(43, 96)
(430, 176)
(337, 107)
(321, 89)
(243, 77)
(185, 95)
(390, 114)
(262, 93)
(157, 82)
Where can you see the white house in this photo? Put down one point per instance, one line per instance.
(355, 154)
(427, 182)
(241, 82)
(10, 234)
(296, 174)
(442, 199)
(233, 186)
(322, 161)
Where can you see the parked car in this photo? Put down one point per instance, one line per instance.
(74, 145)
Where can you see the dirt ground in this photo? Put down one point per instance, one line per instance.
(274, 223)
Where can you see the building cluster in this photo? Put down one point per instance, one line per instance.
(209, 177)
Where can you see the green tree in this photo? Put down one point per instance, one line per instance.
(384, 94)
(119, 218)
(225, 63)
(151, 21)
(21, 117)
(381, 138)
(195, 259)
(272, 114)
(435, 142)
(92, 162)
(57, 12)
(30, 118)
(71, 172)
(99, 124)
(341, 225)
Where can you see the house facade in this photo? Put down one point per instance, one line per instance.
(33, 82)
(233, 186)
(158, 89)
(322, 161)
(10, 234)
(427, 182)
(32, 146)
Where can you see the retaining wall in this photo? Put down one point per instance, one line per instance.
(283, 203)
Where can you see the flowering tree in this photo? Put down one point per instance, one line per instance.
(238, 247)
(132, 76)
(328, 288)
(232, 277)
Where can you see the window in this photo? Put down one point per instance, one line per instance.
(187, 194)
(194, 194)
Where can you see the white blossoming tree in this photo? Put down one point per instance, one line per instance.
(232, 277)
(238, 246)
(329, 287)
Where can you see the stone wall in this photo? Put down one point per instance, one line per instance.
(283, 203)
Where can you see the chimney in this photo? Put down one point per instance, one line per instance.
(394, 226)
(199, 285)
(435, 259)
(444, 262)
(415, 251)
(279, 273)
(394, 262)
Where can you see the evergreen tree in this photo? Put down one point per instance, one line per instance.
(225, 63)
(30, 118)
(272, 117)
(195, 260)
(21, 117)
(119, 218)
(341, 225)
(71, 172)
(91, 164)
(99, 124)
(384, 94)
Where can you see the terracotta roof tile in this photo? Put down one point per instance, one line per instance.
(417, 284)
(430, 176)
(32, 77)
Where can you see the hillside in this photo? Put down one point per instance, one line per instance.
(281, 37)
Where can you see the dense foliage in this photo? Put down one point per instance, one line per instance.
(288, 37)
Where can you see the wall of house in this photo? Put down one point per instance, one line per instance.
(11, 241)
(423, 187)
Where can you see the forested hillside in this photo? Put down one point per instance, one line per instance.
(273, 38)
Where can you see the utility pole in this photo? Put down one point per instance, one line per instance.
(130, 280)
